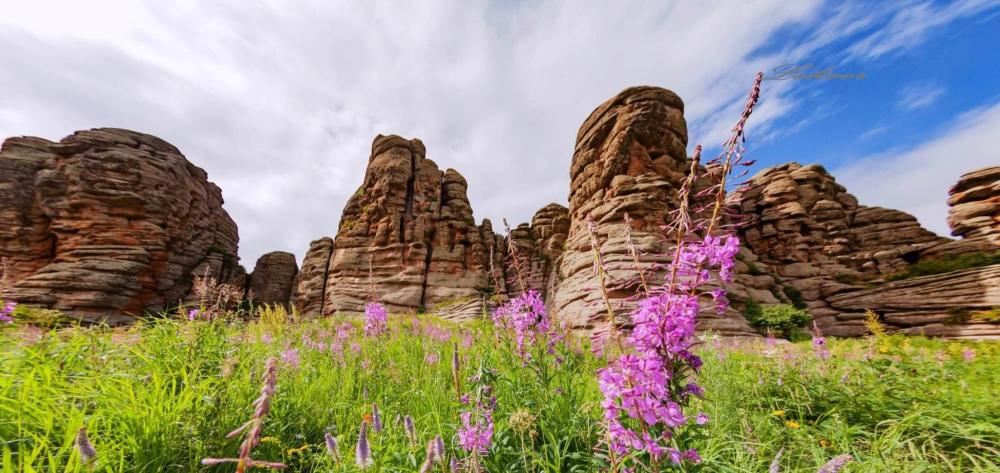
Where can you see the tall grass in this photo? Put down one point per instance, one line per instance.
(162, 395)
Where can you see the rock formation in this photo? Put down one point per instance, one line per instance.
(273, 279)
(630, 157)
(107, 223)
(820, 242)
(407, 235)
(310, 283)
(975, 204)
(539, 246)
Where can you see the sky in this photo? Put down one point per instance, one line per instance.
(279, 101)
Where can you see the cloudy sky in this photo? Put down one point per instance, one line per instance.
(279, 100)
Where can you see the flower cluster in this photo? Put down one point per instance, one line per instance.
(525, 315)
(375, 319)
(476, 434)
(6, 311)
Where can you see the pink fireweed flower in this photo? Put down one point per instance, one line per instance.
(701, 418)
(819, 343)
(363, 453)
(431, 358)
(836, 464)
(193, 314)
(6, 311)
(968, 355)
(375, 319)
(291, 357)
(525, 315)
(476, 433)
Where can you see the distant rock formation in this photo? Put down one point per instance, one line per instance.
(837, 254)
(108, 223)
(975, 204)
(539, 244)
(273, 279)
(407, 235)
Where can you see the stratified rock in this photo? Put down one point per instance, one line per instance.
(310, 283)
(819, 241)
(539, 245)
(630, 158)
(108, 223)
(273, 278)
(975, 204)
(939, 305)
(407, 236)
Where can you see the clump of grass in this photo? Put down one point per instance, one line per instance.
(947, 264)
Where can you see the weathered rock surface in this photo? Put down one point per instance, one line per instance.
(630, 157)
(107, 223)
(407, 236)
(539, 247)
(975, 204)
(273, 279)
(310, 283)
(805, 226)
(939, 305)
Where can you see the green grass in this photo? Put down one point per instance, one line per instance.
(946, 264)
(163, 394)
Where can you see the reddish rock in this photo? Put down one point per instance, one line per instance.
(273, 279)
(108, 223)
(408, 236)
(630, 158)
(975, 204)
(310, 283)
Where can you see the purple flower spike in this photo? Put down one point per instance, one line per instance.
(363, 452)
(836, 464)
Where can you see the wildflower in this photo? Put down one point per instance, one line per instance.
(411, 431)
(525, 315)
(819, 343)
(193, 314)
(431, 358)
(290, 357)
(375, 319)
(376, 419)
(778, 413)
(776, 463)
(453, 465)
(363, 452)
(6, 311)
(791, 424)
(262, 406)
(293, 451)
(476, 432)
(87, 452)
(331, 446)
(968, 355)
(701, 418)
(431, 458)
(439, 449)
(836, 464)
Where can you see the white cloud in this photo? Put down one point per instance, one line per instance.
(911, 23)
(280, 104)
(916, 96)
(917, 180)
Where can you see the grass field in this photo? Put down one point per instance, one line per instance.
(162, 395)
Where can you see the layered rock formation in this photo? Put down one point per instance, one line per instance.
(273, 279)
(107, 223)
(975, 204)
(805, 226)
(630, 157)
(539, 247)
(407, 235)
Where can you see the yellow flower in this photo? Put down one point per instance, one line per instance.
(824, 443)
(293, 451)
(268, 440)
(792, 424)
(778, 413)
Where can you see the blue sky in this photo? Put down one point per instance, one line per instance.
(279, 102)
(909, 94)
